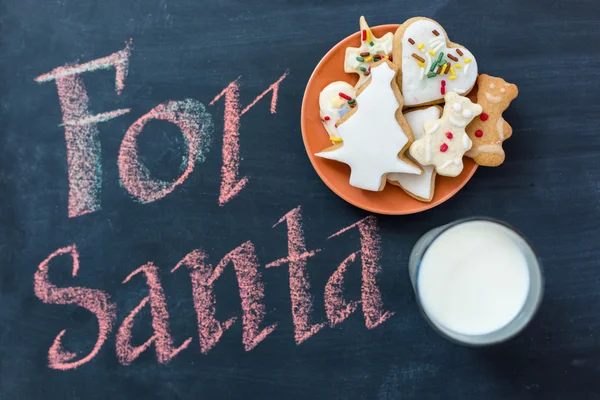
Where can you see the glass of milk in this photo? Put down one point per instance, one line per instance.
(477, 281)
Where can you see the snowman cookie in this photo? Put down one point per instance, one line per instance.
(421, 187)
(335, 101)
(445, 141)
(430, 64)
(358, 60)
(489, 130)
(374, 134)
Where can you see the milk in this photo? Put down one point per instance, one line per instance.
(474, 278)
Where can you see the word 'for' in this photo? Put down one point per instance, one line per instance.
(190, 116)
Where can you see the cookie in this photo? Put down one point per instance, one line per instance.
(421, 187)
(358, 60)
(445, 140)
(374, 134)
(489, 130)
(333, 102)
(430, 64)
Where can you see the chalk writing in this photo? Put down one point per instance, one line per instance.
(81, 131)
(302, 305)
(93, 300)
(251, 290)
(370, 254)
(162, 339)
(231, 183)
(336, 308)
(196, 126)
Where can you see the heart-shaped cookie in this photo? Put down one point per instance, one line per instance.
(430, 65)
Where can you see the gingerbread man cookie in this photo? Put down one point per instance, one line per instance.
(445, 140)
(489, 130)
(374, 134)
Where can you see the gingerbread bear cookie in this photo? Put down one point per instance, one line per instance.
(445, 140)
(431, 65)
(374, 134)
(421, 187)
(489, 130)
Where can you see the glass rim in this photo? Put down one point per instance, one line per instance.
(455, 336)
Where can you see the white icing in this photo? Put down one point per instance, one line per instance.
(422, 73)
(330, 104)
(428, 58)
(466, 69)
(418, 185)
(457, 107)
(500, 128)
(457, 122)
(493, 99)
(438, 46)
(432, 129)
(382, 45)
(446, 154)
(372, 137)
(418, 91)
(467, 143)
(467, 114)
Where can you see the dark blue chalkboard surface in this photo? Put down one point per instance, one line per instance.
(164, 236)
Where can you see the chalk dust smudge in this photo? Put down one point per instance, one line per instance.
(196, 126)
(165, 351)
(81, 132)
(302, 303)
(370, 250)
(231, 184)
(94, 300)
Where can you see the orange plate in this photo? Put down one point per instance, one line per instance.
(391, 200)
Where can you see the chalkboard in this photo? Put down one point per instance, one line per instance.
(163, 234)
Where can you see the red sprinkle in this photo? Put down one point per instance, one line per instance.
(364, 34)
(449, 135)
(479, 133)
(443, 90)
(369, 68)
(344, 96)
(390, 57)
(443, 147)
(484, 116)
(326, 118)
(443, 82)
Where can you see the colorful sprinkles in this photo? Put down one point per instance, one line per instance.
(436, 33)
(418, 57)
(344, 96)
(460, 53)
(411, 41)
(453, 58)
